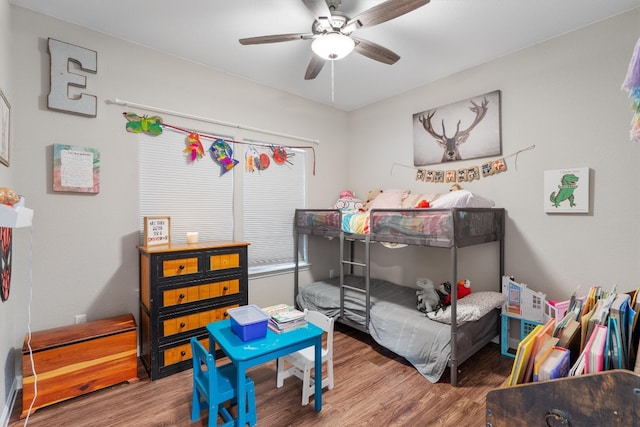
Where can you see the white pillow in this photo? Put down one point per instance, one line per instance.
(389, 199)
(470, 308)
(461, 199)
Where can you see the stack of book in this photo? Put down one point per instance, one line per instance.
(283, 317)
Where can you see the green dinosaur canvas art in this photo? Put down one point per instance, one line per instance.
(567, 186)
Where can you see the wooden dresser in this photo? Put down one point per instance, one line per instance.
(183, 287)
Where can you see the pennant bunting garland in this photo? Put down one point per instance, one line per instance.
(467, 174)
(462, 175)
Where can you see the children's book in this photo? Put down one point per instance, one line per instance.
(283, 313)
(540, 338)
(523, 352)
(555, 365)
(594, 350)
(614, 346)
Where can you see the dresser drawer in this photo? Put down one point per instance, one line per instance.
(180, 353)
(179, 267)
(191, 321)
(202, 292)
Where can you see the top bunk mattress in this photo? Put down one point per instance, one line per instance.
(422, 227)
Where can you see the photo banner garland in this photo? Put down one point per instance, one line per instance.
(466, 174)
(220, 148)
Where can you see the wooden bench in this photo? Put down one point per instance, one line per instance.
(73, 360)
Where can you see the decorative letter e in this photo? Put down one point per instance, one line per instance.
(59, 98)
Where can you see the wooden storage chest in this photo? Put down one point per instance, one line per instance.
(73, 360)
(183, 287)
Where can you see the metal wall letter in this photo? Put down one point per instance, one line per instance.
(61, 78)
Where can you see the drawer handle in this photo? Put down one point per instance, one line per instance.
(226, 314)
(181, 267)
(183, 353)
(181, 296)
(182, 324)
(226, 288)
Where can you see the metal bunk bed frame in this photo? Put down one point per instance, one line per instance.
(366, 239)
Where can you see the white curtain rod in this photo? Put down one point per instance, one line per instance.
(208, 120)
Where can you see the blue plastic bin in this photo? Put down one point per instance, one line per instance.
(248, 322)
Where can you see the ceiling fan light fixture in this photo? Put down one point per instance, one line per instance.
(333, 46)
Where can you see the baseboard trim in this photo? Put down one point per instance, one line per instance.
(11, 400)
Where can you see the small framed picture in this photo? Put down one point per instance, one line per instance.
(5, 122)
(566, 191)
(157, 230)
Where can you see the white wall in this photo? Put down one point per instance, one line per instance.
(84, 246)
(563, 96)
(10, 328)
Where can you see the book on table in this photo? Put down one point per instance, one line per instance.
(283, 317)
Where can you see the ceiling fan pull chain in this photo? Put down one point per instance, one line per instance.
(332, 81)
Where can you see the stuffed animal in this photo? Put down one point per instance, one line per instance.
(464, 289)
(347, 202)
(428, 298)
(370, 197)
(422, 204)
(455, 187)
(8, 196)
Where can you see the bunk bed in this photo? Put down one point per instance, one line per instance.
(388, 311)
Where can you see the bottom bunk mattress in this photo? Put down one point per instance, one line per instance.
(396, 324)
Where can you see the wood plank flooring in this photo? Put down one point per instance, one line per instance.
(373, 387)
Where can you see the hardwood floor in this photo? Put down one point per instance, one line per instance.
(373, 387)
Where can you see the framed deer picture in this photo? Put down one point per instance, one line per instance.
(463, 130)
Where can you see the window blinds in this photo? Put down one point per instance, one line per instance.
(193, 194)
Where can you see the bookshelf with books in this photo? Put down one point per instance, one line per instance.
(598, 332)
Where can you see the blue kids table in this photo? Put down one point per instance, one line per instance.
(245, 355)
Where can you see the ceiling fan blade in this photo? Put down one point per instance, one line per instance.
(375, 51)
(318, 8)
(314, 67)
(383, 12)
(276, 38)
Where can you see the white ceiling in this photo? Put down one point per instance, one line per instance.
(434, 41)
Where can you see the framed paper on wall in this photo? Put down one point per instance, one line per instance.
(157, 230)
(566, 191)
(5, 124)
(76, 169)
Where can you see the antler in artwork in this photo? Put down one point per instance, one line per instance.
(450, 144)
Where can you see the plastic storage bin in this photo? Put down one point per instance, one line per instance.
(248, 322)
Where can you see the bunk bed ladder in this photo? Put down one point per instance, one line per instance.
(351, 263)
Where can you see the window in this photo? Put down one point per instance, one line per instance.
(198, 198)
(193, 194)
(269, 199)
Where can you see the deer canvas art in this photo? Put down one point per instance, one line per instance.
(463, 130)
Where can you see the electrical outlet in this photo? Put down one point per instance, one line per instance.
(80, 318)
(331, 273)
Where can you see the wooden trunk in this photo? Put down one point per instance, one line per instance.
(608, 398)
(73, 360)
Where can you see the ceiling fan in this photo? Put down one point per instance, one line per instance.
(331, 32)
